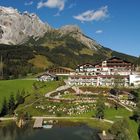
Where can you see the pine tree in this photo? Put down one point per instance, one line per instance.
(22, 93)
(4, 109)
(100, 107)
(19, 98)
(11, 104)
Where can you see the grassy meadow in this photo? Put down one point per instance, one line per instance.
(8, 87)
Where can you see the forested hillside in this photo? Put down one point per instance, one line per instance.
(20, 60)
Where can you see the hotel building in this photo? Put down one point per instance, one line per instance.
(105, 73)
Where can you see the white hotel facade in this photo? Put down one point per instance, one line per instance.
(106, 73)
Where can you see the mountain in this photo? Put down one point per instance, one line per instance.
(27, 45)
(16, 27)
(72, 31)
(75, 32)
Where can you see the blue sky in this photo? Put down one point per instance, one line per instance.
(112, 23)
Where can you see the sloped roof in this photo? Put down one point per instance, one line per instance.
(85, 64)
(47, 74)
(114, 57)
(65, 68)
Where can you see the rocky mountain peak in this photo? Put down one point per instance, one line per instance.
(8, 10)
(16, 27)
(75, 32)
(70, 29)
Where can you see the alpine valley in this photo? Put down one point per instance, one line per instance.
(27, 45)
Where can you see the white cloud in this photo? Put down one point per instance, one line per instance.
(72, 5)
(60, 4)
(28, 3)
(99, 31)
(57, 14)
(92, 15)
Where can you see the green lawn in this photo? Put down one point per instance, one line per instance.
(8, 87)
(50, 86)
(115, 115)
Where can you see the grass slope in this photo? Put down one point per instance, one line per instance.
(40, 61)
(8, 87)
